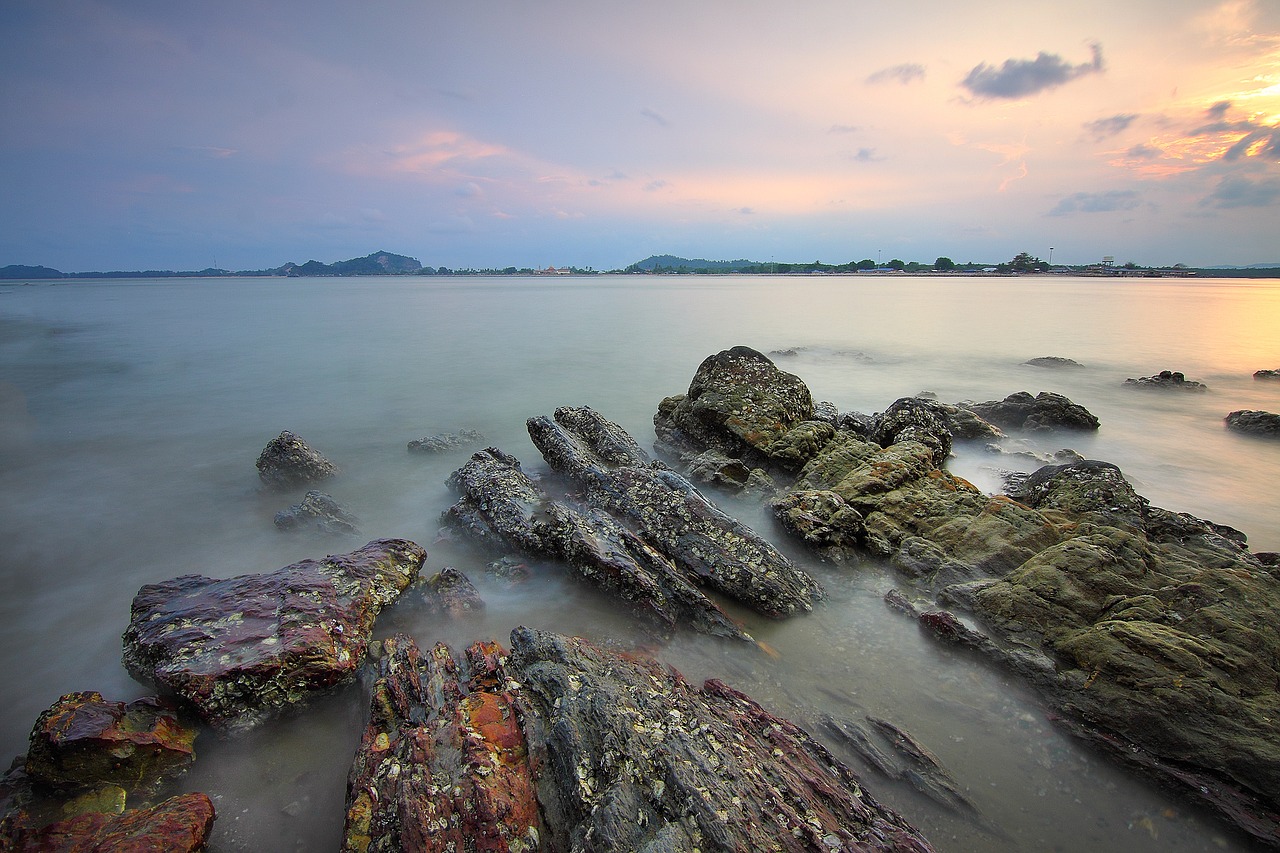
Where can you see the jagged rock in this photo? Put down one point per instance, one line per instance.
(1053, 361)
(1264, 424)
(444, 441)
(84, 740)
(914, 419)
(1166, 380)
(181, 823)
(1266, 374)
(288, 461)
(822, 520)
(1045, 411)
(245, 648)
(635, 758)
(442, 764)
(318, 511)
(502, 508)
(739, 403)
(670, 514)
(451, 592)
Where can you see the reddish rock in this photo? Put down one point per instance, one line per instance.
(442, 764)
(181, 823)
(245, 648)
(86, 740)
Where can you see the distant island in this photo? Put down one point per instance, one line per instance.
(389, 263)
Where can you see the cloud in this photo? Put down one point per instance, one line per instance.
(745, 211)
(657, 117)
(866, 155)
(906, 73)
(1104, 202)
(1218, 110)
(1018, 78)
(1236, 191)
(655, 185)
(1104, 128)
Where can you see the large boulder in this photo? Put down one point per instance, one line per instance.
(288, 461)
(668, 512)
(242, 649)
(180, 824)
(1044, 411)
(633, 757)
(739, 403)
(1263, 424)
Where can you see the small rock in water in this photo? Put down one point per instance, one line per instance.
(1264, 424)
(319, 511)
(445, 441)
(451, 592)
(288, 461)
(1266, 374)
(1166, 379)
(1052, 361)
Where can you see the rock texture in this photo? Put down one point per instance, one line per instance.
(667, 511)
(288, 461)
(442, 765)
(1166, 380)
(450, 592)
(1053, 361)
(177, 825)
(318, 511)
(445, 441)
(245, 648)
(84, 740)
(633, 757)
(503, 509)
(1044, 411)
(1266, 374)
(1264, 424)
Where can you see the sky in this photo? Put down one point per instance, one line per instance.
(139, 134)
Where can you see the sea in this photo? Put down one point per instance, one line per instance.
(132, 413)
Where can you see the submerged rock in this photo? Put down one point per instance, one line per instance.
(1166, 380)
(442, 764)
(445, 441)
(632, 757)
(83, 740)
(666, 510)
(1053, 361)
(318, 511)
(1264, 424)
(245, 648)
(1266, 374)
(288, 461)
(1044, 411)
(450, 592)
(177, 825)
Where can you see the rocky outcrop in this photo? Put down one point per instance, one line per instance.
(287, 461)
(1166, 380)
(1266, 374)
(245, 648)
(632, 757)
(445, 441)
(177, 825)
(707, 545)
(320, 512)
(83, 740)
(1044, 411)
(503, 509)
(1053, 361)
(443, 763)
(1264, 424)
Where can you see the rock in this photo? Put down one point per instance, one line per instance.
(1266, 374)
(181, 823)
(714, 468)
(1264, 424)
(451, 593)
(1166, 380)
(444, 441)
(1045, 411)
(738, 403)
(288, 461)
(84, 740)
(245, 648)
(914, 419)
(503, 509)
(665, 509)
(318, 511)
(443, 763)
(633, 757)
(1052, 361)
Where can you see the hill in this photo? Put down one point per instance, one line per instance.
(675, 264)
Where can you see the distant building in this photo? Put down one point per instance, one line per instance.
(554, 271)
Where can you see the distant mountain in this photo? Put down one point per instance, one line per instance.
(379, 263)
(673, 263)
(20, 271)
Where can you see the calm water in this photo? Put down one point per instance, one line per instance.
(131, 414)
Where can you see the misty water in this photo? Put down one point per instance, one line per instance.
(131, 414)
